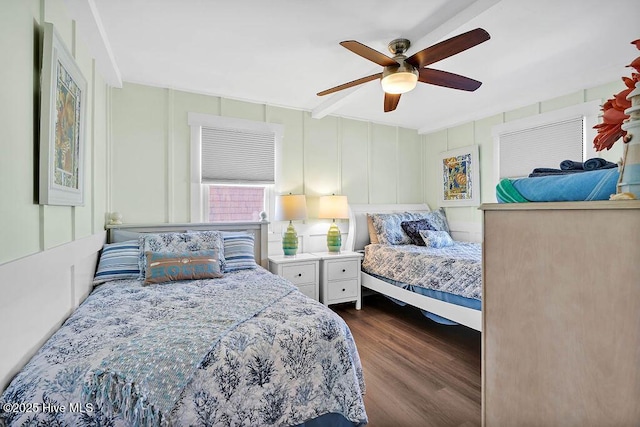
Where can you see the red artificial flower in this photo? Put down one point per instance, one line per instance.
(610, 130)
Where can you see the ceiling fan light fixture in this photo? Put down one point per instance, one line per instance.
(400, 82)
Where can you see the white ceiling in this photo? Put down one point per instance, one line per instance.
(282, 52)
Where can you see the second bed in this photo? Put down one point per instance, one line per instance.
(445, 283)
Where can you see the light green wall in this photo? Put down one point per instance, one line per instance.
(480, 132)
(26, 227)
(370, 163)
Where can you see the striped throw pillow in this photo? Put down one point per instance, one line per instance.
(238, 251)
(118, 261)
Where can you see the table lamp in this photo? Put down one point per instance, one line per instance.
(334, 207)
(290, 207)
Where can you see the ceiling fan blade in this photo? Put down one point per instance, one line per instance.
(350, 84)
(447, 48)
(447, 79)
(368, 53)
(390, 101)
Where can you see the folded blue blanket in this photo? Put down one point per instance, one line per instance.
(589, 185)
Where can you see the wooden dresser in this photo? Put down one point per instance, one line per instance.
(561, 314)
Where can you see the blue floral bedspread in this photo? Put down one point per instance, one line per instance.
(293, 361)
(455, 269)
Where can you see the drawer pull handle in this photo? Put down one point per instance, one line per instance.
(299, 274)
(344, 270)
(343, 289)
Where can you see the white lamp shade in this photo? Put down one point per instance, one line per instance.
(400, 82)
(333, 207)
(291, 207)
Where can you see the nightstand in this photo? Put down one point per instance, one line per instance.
(302, 270)
(340, 277)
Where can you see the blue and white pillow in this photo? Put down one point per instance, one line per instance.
(179, 242)
(438, 220)
(118, 261)
(238, 251)
(436, 239)
(388, 227)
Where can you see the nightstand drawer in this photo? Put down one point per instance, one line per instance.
(343, 289)
(339, 270)
(300, 273)
(309, 290)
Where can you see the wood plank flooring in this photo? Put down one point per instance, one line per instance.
(417, 372)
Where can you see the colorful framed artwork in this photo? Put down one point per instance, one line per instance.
(459, 172)
(63, 98)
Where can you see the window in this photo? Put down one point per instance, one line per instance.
(543, 146)
(232, 167)
(235, 202)
(544, 140)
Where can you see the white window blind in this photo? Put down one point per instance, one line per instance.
(542, 146)
(237, 156)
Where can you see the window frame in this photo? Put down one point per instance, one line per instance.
(199, 193)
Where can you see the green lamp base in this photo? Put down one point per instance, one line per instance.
(290, 241)
(334, 238)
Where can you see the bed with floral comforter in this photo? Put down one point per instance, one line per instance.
(271, 356)
(451, 274)
(456, 269)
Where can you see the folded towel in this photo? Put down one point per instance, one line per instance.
(507, 193)
(589, 185)
(551, 171)
(571, 166)
(598, 163)
(567, 165)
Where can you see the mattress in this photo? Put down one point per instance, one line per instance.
(448, 273)
(292, 362)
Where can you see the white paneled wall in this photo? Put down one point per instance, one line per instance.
(48, 254)
(26, 227)
(369, 163)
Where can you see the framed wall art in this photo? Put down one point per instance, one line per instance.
(459, 172)
(63, 98)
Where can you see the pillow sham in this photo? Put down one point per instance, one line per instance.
(389, 230)
(438, 220)
(436, 239)
(412, 228)
(373, 237)
(171, 266)
(118, 261)
(117, 235)
(179, 242)
(238, 251)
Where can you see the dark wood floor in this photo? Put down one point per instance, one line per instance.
(417, 372)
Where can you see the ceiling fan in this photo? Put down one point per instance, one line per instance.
(401, 74)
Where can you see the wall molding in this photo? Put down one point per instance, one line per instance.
(39, 292)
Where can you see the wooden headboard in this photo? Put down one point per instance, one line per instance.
(121, 232)
(359, 233)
